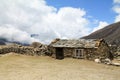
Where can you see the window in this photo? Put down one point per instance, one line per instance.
(79, 53)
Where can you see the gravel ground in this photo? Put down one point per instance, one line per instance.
(21, 67)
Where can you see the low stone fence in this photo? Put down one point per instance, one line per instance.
(27, 50)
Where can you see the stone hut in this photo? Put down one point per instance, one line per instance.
(81, 48)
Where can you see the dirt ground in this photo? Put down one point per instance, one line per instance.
(21, 67)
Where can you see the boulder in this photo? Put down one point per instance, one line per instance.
(36, 45)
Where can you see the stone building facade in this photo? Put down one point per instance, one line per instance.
(81, 48)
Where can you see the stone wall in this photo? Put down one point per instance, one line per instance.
(104, 51)
(27, 50)
(88, 53)
(68, 52)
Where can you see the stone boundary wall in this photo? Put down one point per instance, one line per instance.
(27, 50)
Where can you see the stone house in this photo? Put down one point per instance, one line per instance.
(81, 48)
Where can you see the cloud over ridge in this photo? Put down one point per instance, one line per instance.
(21, 18)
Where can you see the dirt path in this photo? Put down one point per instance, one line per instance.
(21, 67)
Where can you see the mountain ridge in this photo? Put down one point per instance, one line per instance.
(110, 33)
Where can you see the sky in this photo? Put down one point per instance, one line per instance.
(98, 9)
(46, 20)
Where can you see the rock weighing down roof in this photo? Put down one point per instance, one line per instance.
(80, 43)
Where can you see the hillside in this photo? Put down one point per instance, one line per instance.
(110, 33)
(5, 41)
(2, 41)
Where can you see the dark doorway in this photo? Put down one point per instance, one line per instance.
(59, 53)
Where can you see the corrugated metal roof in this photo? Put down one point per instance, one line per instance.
(79, 43)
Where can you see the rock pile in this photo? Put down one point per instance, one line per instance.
(40, 49)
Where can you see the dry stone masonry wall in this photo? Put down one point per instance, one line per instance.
(27, 50)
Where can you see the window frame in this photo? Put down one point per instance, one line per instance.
(79, 53)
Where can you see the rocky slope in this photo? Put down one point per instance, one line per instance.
(110, 33)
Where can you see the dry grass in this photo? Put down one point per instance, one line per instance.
(21, 67)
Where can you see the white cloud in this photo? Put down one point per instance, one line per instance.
(116, 9)
(116, 1)
(117, 18)
(101, 25)
(27, 17)
(13, 34)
